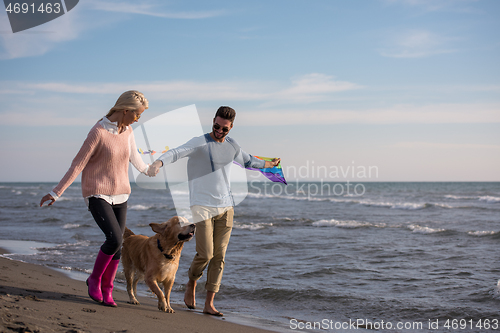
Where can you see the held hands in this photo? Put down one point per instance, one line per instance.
(47, 197)
(154, 168)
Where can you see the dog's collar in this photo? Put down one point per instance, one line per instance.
(168, 256)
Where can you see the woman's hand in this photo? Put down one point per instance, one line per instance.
(154, 168)
(47, 197)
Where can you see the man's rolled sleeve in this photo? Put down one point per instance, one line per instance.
(252, 162)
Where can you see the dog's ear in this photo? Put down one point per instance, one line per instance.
(158, 228)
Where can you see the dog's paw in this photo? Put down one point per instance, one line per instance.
(165, 308)
(134, 301)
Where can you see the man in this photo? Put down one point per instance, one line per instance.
(212, 205)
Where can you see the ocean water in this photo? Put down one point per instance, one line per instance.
(393, 257)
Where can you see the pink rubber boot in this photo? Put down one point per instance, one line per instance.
(107, 283)
(94, 280)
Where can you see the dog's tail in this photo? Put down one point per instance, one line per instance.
(127, 233)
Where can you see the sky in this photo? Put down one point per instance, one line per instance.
(368, 90)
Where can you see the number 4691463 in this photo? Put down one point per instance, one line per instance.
(462, 324)
(25, 8)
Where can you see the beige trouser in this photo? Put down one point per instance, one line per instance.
(212, 238)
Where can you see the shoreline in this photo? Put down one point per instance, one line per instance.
(38, 298)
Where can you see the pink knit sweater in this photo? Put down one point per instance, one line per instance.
(103, 161)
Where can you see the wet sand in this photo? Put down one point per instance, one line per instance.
(35, 298)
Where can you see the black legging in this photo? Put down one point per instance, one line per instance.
(111, 219)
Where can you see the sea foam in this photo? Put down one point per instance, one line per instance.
(251, 226)
(140, 207)
(482, 233)
(349, 224)
(490, 199)
(424, 230)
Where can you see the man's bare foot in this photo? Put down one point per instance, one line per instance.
(189, 295)
(216, 313)
(209, 305)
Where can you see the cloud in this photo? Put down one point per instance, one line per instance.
(45, 118)
(70, 26)
(39, 40)
(437, 5)
(287, 103)
(417, 44)
(303, 89)
(151, 9)
(398, 114)
(444, 146)
(312, 88)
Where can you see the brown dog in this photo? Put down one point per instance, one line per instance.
(155, 258)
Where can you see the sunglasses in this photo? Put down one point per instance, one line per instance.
(136, 116)
(224, 129)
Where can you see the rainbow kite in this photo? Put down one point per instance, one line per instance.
(274, 174)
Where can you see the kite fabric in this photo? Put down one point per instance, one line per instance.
(274, 174)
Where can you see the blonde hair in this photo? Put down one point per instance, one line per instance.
(129, 100)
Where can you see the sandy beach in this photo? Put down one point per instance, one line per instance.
(35, 298)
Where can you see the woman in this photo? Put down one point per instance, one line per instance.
(103, 161)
